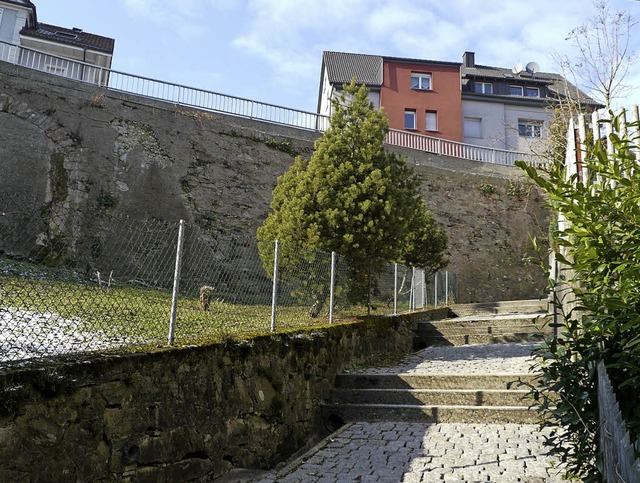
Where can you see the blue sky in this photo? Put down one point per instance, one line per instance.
(271, 50)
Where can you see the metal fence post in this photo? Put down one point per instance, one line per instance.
(395, 289)
(333, 285)
(412, 299)
(274, 295)
(446, 288)
(435, 290)
(176, 284)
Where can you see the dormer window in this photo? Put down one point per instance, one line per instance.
(516, 90)
(66, 35)
(483, 88)
(533, 92)
(421, 81)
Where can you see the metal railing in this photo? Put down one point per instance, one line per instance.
(456, 149)
(237, 106)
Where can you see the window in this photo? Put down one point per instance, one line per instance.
(533, 92)
(409, 119)
(472, 127)
(421, 81)
(431, 121)
(530, 129)
(55, 69)
(484, 88)
(516, 91)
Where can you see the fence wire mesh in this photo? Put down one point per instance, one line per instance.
(70, 286)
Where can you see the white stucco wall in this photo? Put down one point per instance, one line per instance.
(500, 125)
(328, 92)
(524, 144)
(493, 121)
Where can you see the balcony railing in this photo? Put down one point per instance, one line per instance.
(237, 106)
(456, 149)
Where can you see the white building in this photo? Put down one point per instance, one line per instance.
(57, 50)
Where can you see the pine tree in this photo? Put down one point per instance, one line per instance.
(354, 198)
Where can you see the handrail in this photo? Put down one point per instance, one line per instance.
(216, 102)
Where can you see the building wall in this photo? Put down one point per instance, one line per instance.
(396, 96)
(519, 143)
(500, 125)
(8, 22)
(329, 92)
(492, 121)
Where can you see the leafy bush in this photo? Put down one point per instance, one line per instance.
(599, 249)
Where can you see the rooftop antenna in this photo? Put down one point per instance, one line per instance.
(532, 67)
(517, 68)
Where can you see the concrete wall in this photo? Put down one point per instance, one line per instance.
(182, 414)
(69, 146)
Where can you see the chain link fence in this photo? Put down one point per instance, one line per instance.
(115, 284)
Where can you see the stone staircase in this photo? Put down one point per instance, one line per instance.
(462, 374)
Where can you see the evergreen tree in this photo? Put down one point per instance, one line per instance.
(354, 198)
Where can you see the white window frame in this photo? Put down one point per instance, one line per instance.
(534, 90)
(433, 126)
(424, 81)
(476, 130)
(483, 88)
(411, 112)
(529, 128)
(55, 69)
(520, 88)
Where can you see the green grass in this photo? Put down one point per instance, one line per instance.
(139, 316)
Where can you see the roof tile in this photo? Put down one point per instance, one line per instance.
(75, 37)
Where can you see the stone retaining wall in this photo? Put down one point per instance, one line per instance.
(85, 155)
(178, 414)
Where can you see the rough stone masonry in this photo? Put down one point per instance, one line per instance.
(82, 152)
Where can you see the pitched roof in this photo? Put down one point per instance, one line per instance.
(24, 3)
(557, 84)
(341, 67)
(75, 37)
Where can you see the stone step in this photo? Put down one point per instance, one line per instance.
(501, 307)
(535, 319)
(336, 414)
(432, 397)
(482, 329)
(430, 381)
(458, 340)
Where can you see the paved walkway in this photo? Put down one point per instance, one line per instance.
(391, 452)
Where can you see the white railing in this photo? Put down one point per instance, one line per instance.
(213, 101)
(456, 149)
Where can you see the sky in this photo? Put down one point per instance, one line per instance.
(271, 50)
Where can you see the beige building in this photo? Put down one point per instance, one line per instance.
(69, 52)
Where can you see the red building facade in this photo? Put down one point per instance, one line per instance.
(423, 97)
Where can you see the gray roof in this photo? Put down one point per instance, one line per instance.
(341, 67)
(24, 3)
(557, 84)
(75, 37)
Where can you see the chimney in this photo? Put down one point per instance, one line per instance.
(469, 59)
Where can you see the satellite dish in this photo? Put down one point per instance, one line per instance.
(532, 67)
(517, 68)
